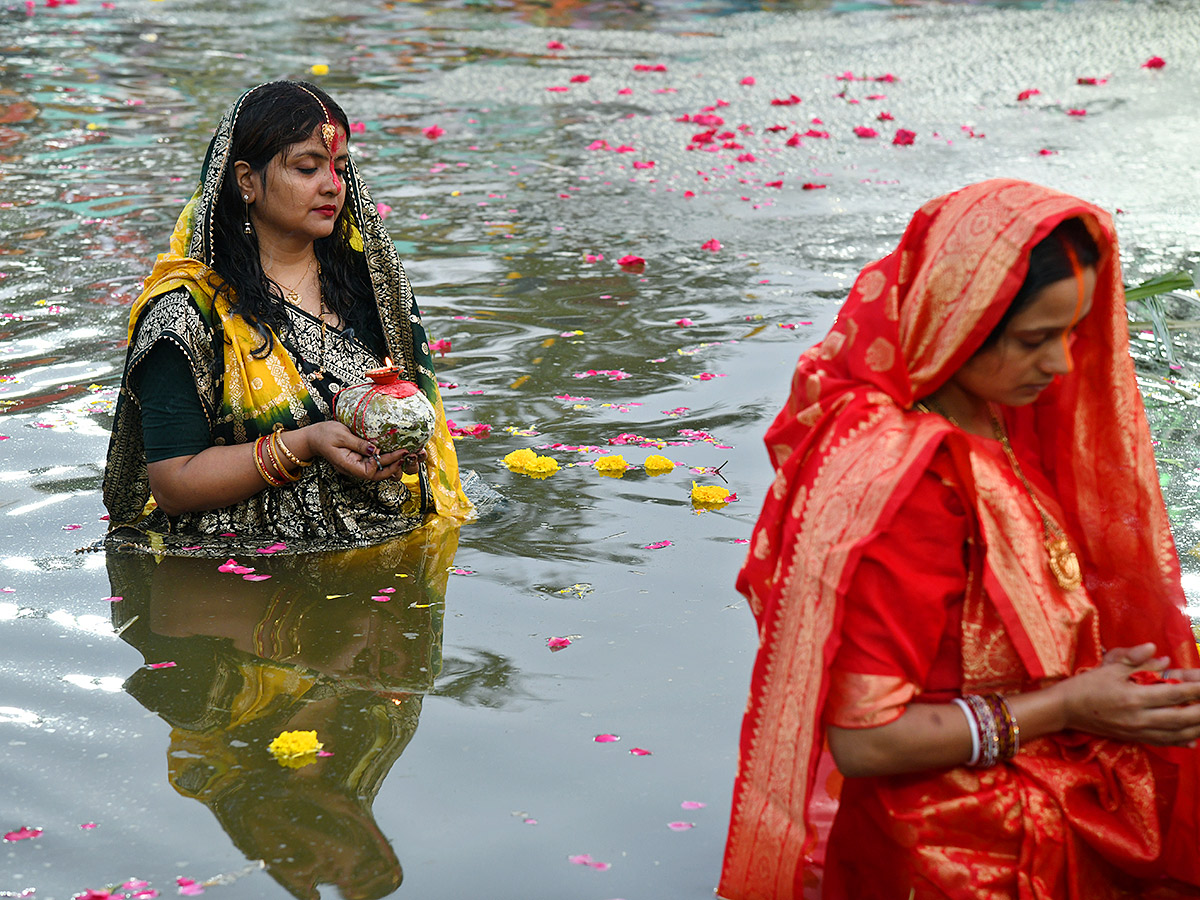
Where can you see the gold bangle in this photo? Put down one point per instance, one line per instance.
(262, 469)
(280, 468)
(286, 452)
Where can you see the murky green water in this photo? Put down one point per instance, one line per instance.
(463, 751)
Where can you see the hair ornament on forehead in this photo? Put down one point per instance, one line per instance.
(328, 136)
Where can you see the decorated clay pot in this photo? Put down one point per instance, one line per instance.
(391, 413)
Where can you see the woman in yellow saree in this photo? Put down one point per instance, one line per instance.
(281, 287)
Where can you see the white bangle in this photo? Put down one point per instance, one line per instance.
(973, 725)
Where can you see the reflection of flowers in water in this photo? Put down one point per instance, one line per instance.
(529, 463)
(706, 496)
(658, 465)
(611, 466)
(295, 749)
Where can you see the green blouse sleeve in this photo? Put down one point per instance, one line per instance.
(173, 421)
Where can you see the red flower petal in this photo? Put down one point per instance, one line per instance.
(433, 132)
(809, 186)
(1076, 112)
(904, 137)
(639, 164)
(555, 45)
(864, 132)
(629, 261)
(558, 643)
(712, 244)
(1026, 94)
(23, 833)
(580, 79)
(774, 184)
(1154, 62)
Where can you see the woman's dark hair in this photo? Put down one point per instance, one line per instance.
(272, 118)
(1049, 261)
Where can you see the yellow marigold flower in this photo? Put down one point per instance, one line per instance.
(707, 496)
(294, 749)
(319, 69)
(518, 460)
(542, 467)
(658, 465)
(611, 466)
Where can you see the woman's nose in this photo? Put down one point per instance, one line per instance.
(1058, 359)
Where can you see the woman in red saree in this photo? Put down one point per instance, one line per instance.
(966, 587)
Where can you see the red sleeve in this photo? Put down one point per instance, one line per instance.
(902, 616)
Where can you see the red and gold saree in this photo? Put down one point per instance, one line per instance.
(1072, 815)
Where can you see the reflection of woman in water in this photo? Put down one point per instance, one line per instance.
(281, 287)
(255, 659)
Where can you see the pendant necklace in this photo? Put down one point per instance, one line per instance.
(292, 295)
(1064, 564)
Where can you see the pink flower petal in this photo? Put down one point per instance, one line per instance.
(228, 566)
(388, 590)
(681, 826)
(558, 643)
(441, 347)
(255, 577)
(658, 545)
(162, 665)
(904, 137)
(1076, 112)
(433, 132)
(606, 738)
(648, 164)
(114, 599)
(358, 127)
(242, 570)
(658, 67)
(23, 833)
(87, 826)
(684, 323)
(188, 887)
(555, 45)
(1045, 151)
(692, 804)
(1154, 62)
(810, 186)
(774, 184)
(580, 859)
(625, 92)
(639, 751)
(864, 131)
(580, 79)
(712, 244)
(629, 261)
(379, 598)
(71, 527)
(749, 81)
(558, 89)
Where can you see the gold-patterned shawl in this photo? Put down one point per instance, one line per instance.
(244, 396)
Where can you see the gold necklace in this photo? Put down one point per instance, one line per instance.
(935, 407)
(292, 295)
(1064, 564)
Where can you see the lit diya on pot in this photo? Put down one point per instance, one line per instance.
(388, 411)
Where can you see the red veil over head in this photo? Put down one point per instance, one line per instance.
(847, 452)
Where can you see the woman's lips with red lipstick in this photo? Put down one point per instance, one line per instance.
(330, 211)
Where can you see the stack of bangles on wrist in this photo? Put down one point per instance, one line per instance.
(995, 734)
(269, 451)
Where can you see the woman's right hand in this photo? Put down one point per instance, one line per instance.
(1104, 701)
(346, 451)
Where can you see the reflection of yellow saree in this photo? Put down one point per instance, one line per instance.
(307, 650)
(244, 395)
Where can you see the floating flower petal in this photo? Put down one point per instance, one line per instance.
(658, 465)
(904, 137)
(433, 132)
(558, 643)
(864, 131)
(681, 826)
(692, 804)
(1154, 62)
(711, 244)
(658, 545)
(639, 751)
(23, 833)
(606, 738)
